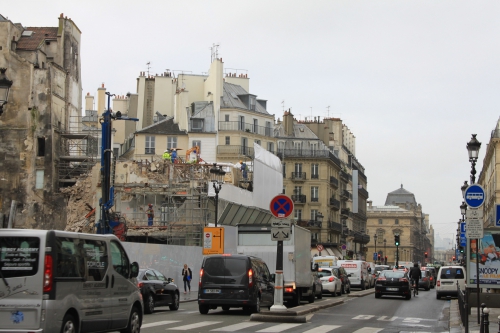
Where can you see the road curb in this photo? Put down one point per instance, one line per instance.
(294, 315)
(362, 293)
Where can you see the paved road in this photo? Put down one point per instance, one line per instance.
(361, 315)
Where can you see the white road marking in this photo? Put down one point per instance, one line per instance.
(412, 320)
(235, 327)
(195, 325)
(159, 323)
(368, 330)
(278, 328)
(363, 317)
(322, 329)
(383, 318)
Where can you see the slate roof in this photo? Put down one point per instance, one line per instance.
(300, 131)
(388, 208)
(229, 101)
(166, 127)
(31, 43)
(205, 111)
(400, 196)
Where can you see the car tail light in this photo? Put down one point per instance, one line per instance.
(140, 284)
(250, 278)
(48, 274)
(430, 278)
(289, 290)
(201, 275)
(439, 283)
(331, 279)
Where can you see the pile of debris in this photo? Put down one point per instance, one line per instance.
(79, 209)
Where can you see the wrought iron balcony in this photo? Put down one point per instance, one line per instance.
(298, 176)
(345, 195)
(314, 199)
(245, 127)
(346, 212)
(334, 203)
(314, 224)
(345, 176)
(299, 198)
(335, 226)
(225, 150)
(363, 192)
(314, 176)
(334, 181)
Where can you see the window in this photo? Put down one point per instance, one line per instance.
(150, 145)
(281, 145)
(226, 117)
(39, 179)
(297, 190)
(171, 142)
(244, 144)
(270, 147)
(27, 248)
(314, 146)
(297, 145)
(380, 236)
(314, 213)
(314, 171)
(379, 221)
(314, 193)
(298, 214)
(268, 128)
(298, 169)
(70, 259)
(255, 125)
(41, 147)
(197, 125)
(284, 188)
(96, 258)
(284, 170)
(119, 259)
(396, 221)
(252, 103)
(241, 123)
(228, 140)
(196, 143)
(258, 142)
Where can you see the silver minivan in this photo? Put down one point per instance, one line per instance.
(57, 281)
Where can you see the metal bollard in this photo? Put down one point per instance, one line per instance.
(481, 323)
(486, 320)
(498, 324)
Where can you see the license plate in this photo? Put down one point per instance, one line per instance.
(392, 289)
(324, 281)
(212, 291)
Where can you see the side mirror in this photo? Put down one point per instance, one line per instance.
(273, 277)
(134, 269)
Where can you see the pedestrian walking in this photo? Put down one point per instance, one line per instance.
(151, 214)
(187, 275)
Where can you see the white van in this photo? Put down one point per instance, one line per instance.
(447, 278)
(371, 274)
(57, 281)
(358, 270)
(325, 261)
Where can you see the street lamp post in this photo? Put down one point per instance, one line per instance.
(473, 147)
(385, 253)
(375, 240)
(217, 178)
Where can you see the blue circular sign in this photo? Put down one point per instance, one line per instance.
(474, 196)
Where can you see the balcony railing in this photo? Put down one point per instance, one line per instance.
(299, 198)
(363, 192)
(346, 212)
(345, 176)
(314, 176)
(314, 199)
(345, 195)
(335, 226)
(334, 203)
(301, 176)
(235, 150)
(334, 181)
(245, 127)
(314, 224)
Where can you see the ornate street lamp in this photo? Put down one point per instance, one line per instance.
(473, 147)
(5, 85)
(217, 178)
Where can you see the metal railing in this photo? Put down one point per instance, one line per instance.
(462, 306)
(335, 226)
(314, 224)
(334, 181)
(298, 176)
(299, 198)
(235, 150)
(245, 127)
(334, 203)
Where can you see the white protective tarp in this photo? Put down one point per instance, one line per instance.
(267, 182)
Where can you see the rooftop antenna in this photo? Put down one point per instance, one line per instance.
(283, 105)
(311, 112)
(328, 111)
(214, 54)
(148, 64)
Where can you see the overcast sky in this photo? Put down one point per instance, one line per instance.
(411, 79)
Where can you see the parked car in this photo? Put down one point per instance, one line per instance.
(331, 282)
(235, 281)
(344, 278)
(318, 290)
(157, 290)
(425, 280)
(447, 279)
(371, 274)
(433, 272)
(393, 283)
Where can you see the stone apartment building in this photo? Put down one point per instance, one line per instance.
(36, 127)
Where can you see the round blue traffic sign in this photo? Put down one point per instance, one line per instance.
(474, 196)
(281, 206)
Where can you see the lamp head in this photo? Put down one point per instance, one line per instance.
(473, 147)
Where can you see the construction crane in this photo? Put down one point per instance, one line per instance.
(105, 225)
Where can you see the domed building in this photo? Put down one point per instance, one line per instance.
(401, 215)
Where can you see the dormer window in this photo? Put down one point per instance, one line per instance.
(252, 102)
(197, 125)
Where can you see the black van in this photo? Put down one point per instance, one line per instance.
(235, 281)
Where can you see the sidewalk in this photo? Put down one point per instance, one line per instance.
(189, 297)
(456, 325)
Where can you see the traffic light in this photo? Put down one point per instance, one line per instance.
(425, 254)
(378, 257)
(453, 257)
(461, 249)
(396, 240)
(385, 260)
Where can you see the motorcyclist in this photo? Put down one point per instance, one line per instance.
(415, 275)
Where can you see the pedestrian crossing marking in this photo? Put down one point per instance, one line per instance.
(412, 320)
(322, 329)
(235, 327)
(159, 323)
(278, 328)
(195, 325)
(368, 330)
(363, 317)
(383, 318)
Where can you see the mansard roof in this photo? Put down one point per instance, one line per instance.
(232, 98)
(400, 196)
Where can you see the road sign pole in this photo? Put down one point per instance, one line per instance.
(278, 287)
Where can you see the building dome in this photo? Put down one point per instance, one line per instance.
(400, 196)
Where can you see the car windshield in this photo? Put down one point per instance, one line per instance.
(324, 272)
(394, 274)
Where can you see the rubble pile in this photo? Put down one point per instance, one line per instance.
(81, 198)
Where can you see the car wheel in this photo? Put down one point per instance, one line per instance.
(408, 296)
(427, 288)
(134, 322)
(438, 296)
(149, 305)
(69, 324)
(203, 308)
(225, 308)
(256, 307)
(312, 296)
(320, 295)
(378, 295)
(175, 306)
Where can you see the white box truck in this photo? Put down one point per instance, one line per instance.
(298, 271)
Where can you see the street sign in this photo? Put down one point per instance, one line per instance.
(281, 206)
(280, 224)
(213, 240)
(497, 218)
(319, 247)
(280, 234)
(474, 229)
(474, 196)
(463, 241)
(463, 227)
(375, 256)
(343, 247)
(474, 214)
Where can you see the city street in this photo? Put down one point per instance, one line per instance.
(423, 313)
